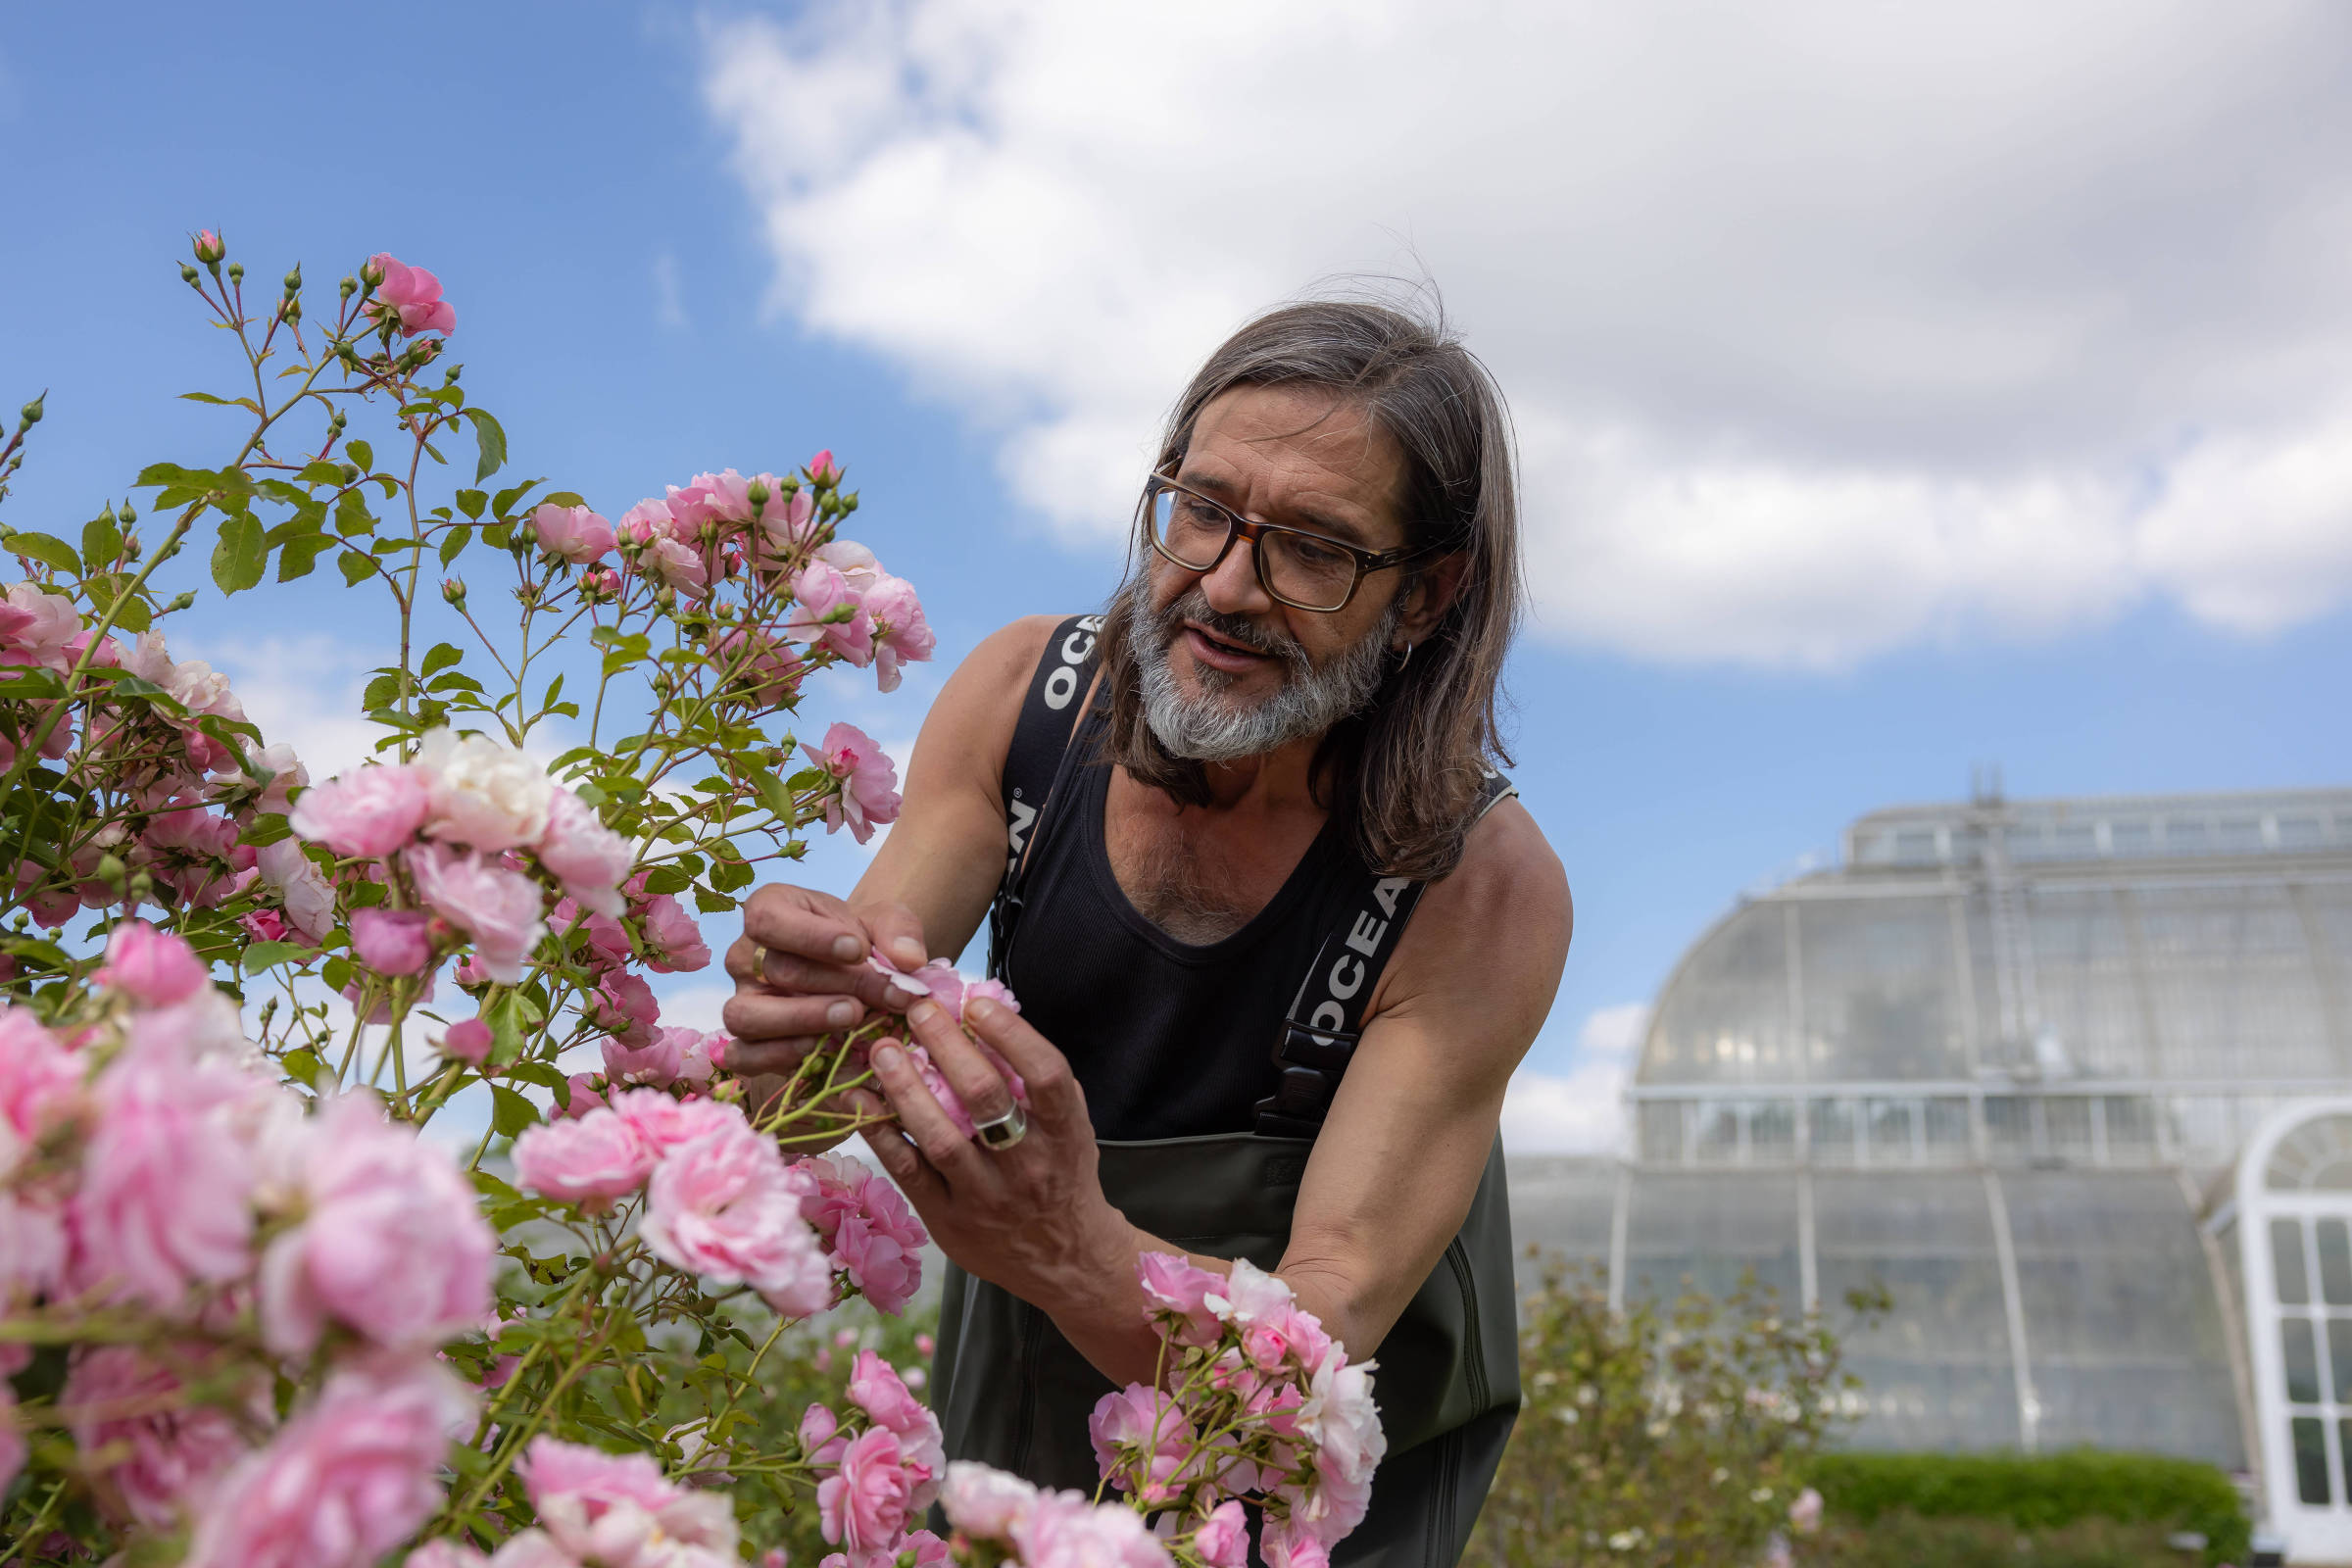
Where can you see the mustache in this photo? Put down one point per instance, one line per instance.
(1193, 605)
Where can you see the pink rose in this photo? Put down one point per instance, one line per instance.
(985, 1502)
(591, 1158)
(344, 1482)
(40, 1081)
(1065, 1529)
(581, 1096)
(900, 633)
(785, 524)
(39, 627)
(822, 470)
(705, 1055)
(33, 1253)
(666, 1124)
(675, 566)
(939, 1089)
(864, 1504)
(1222, 1539)
(648, 522)
(572, 533)
(1141, 1439)
(165, 1450)
(369, 811)
(391, 942)
(498, 908)
(620, 1508)
(153, 968)
(827, 614)
(167, 1175)
(468, 1042)
(624, 1006)
(589, 858)
(673, 941)
(309, 898)
(868, 794)
(818, 1444)
(867, 1227)
(1177, 1286)
(410, 297)
(393, 1243)
(1804, 1514)
(1290, 1543)
(722, 1206)
(444, 1553)
(655, 1063)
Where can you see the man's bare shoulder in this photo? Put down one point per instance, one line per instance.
(1497, 929)
(971, 722)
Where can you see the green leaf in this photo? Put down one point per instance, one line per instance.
(320, 472)
(666, 879)
(357, 564)
(225, 403)
(266, 829)
(241, 554)
(25, 682)
(301, 1064)
(361, 453)
(382, 692)
(711, 903)
(440, 656)
(352, 516)
(490, 440)
(455, 681)
(47, 548)
(300, 555)
(472, 502)
(133, 616)
(457, 539)
(510, 1112)
(101, 540)
(773, 793)
(261, 955)
(502, 504)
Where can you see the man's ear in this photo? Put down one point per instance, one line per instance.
(1430, 597)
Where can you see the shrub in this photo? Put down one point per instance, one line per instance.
(2039, 1492)
(1901, 1538)
(1664, 1434)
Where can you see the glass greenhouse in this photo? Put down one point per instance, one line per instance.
(2013, 1059)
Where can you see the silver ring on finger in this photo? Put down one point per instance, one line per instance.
(1005, 1131)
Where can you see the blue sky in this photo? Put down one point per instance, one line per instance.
(1860, 449)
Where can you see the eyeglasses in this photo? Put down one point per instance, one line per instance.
(1303, 571)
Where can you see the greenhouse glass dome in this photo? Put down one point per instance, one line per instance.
(2004, 1060)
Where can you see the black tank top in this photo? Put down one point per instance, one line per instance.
(1168, 1039)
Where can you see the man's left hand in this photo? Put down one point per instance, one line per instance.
(1031, 1218)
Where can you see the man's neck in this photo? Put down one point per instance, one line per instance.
(1269, 781)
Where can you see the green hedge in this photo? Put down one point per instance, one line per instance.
(2040, 1492)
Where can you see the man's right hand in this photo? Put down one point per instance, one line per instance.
(816, 981)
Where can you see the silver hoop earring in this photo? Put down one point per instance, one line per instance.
(1407, 659)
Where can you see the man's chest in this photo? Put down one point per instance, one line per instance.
(1199, 875)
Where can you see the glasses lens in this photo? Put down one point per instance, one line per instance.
(1310, 572)
(1188, 528)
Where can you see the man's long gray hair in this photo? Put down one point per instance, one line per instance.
(1403, 761)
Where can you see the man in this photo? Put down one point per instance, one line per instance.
(1241, 1036)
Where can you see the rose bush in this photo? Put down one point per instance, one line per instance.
(250, 1311)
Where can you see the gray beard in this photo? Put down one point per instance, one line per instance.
(1208, 728)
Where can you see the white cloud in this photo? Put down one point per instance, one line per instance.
(669, 298)
(1829, 326)
(1581, 1112)
(303, 693)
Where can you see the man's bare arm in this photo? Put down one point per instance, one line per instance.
(1470, 986)
(925, 893)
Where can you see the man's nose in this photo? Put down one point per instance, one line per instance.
(1233, 588)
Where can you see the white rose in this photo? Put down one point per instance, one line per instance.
(485, 792)
(308, 896)
(1340, 1417)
